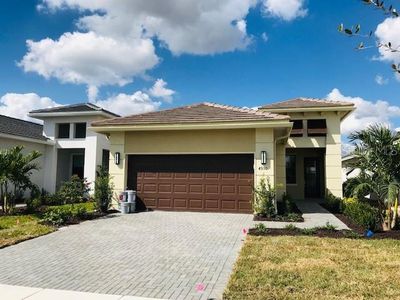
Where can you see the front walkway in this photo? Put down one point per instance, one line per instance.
(314, 216)
(154, 254)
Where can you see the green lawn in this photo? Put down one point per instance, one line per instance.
(14, 229)
(315, 268)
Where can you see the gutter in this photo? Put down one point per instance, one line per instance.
(25, 139)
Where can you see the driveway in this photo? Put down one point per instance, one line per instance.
(154, 254)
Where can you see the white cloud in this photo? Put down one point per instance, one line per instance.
(19, 105)
(366, 113)
(287, 10)
(87, 58)
(125, 104)
(160, 90)
(347, 149)
(183, 26)
(379, 79)
(264, 37)
(388, 31)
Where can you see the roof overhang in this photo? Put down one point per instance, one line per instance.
(25, 139)
(70, 114)
(345, 110)
(193, 126)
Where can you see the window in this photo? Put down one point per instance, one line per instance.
(297, 130)
(291, 169)
(106, 160)
(316, 127)
(63, 131)
(80, 130)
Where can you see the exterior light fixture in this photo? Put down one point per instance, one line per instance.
(117, 158)
(263, 157)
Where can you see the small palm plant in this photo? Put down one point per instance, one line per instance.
(377, 155)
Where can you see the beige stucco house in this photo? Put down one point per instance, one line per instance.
(208, 157)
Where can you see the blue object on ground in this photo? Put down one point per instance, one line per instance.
(369, 233)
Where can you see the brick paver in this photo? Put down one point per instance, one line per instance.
(154, 254)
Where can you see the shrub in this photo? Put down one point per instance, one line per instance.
(264, 199)
(291, 227)
(328, 226)
(261, 228)
(333, 203)
(288, 204)
(308, 231)
(57, 216)
(33, 204)
(103, 190)
(74, 191)
(363, 214)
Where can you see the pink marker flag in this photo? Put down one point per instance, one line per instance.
(200, 287)
(244, 230)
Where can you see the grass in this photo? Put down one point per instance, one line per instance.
(301, 267)
(15, 229)
(18, 228)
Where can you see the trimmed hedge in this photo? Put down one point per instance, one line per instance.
(69, 213)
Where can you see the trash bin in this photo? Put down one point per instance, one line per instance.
(132, 200)
(124, 207)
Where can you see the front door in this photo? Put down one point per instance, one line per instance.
(312, 177)
(78, 163)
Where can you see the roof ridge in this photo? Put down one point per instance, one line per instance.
(308, 99)
(246, 110)
(21, 120)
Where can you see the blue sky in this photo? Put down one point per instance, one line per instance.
(304, 55)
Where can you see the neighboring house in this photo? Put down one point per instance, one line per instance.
(348, 171)
(77, 150)
(67, 145)
(14, 132)
(208, 157)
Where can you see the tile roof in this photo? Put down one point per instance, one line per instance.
(80, 107)
(306, 103)
(21, 128)
(196, 113)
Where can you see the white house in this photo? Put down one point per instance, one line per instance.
(67, 145)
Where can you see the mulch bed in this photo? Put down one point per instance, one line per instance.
(282, 217)
(297, 232)
(393, 234)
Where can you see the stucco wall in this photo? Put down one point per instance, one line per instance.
(37, 176)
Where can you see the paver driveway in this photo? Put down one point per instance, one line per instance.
(154, 254)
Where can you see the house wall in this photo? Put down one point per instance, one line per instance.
(37, 176)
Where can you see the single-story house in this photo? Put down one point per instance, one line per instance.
(208, 157)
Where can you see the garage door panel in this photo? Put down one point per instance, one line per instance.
(220, 183)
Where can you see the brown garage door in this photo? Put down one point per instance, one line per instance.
(216, 183)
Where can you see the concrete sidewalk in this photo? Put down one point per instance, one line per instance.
(314, 216)
(13, 292)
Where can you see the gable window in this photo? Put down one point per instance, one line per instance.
(297, 130)
(291, 169)
(80, 130)
(316, 127)
(63, 131)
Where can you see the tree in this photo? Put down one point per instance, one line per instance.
(16, 169)
(377, 155)
(356, 32)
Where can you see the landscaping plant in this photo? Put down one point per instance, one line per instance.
(16, 169)
(103, 190)
(74, 191)
(264, 199)
(377, 155)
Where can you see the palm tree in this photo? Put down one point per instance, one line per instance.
(377, 155)
(15, 170)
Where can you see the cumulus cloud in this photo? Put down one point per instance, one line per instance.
(183, 26)
(366, 113)
(379, 79)
(287, 10)
(129, 104)
(160, 90)
(388, 31)
(19, 105)
(87, 58)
